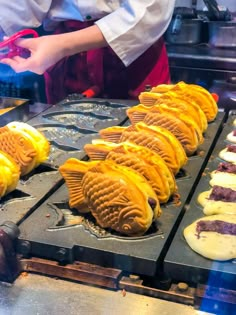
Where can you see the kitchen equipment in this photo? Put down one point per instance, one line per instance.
(13, 109)
(185, 27)
(213, 68)
(58, 242)
(55, 232)
(221, 26)
(191, 266)
(222, 34)
(216, 13)
(9, 49)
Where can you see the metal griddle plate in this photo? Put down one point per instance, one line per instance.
(72, 123)
(66, 140)
(55, 232)
(181, 262)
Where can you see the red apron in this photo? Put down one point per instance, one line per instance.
(101, 68)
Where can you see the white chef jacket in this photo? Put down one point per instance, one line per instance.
(130, 27)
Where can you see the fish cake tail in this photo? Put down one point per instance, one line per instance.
(148, 98)
(112, 134)
(96, 152)
(73, 171)
(137, 113)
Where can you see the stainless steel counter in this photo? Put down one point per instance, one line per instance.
(38, 295)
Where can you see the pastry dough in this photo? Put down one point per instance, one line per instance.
(215, 206)
(210, 244)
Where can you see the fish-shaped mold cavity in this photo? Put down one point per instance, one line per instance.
(118, 197)
(143, 135)
(141, 159)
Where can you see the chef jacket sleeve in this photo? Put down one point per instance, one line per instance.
(135, 26)
(16, 15)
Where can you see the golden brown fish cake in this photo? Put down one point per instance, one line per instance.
(180, 153)
(9, 174)
(38, 138)
(177, 112)
(187, 106)
(118, 197)
(99, 149)
(158, 144)
(129, 154)
(200, 95)
(24, 144)
(19, 147)
(186, 136)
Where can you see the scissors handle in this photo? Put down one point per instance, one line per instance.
(9, 43)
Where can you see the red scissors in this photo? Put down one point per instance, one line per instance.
(9, 49)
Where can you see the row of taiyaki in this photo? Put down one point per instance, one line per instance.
(22, 148)
(155, 150)
(214, 236)
(184, 109)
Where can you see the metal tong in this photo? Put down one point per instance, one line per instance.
(9, 49)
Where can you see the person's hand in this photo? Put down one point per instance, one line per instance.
(44, 51)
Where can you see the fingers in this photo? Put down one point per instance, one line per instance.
(16, 63)
(19, 64)
(24, 42)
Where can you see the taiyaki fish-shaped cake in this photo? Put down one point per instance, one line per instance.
(187, 106)
(172, 100)
(141, 159)
(200, 95)
(139, 113)
(171, 151)
(118, 197)
(184, 131)
(9, 174)
(25, 144)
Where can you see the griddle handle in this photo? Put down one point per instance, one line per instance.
(9, 267)
(91, 92)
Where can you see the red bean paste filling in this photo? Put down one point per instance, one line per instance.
(227, 167)
(217, 226)
(219, 193)
(231, 148)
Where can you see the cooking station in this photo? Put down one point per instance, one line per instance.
(213, 68)
(42, 239)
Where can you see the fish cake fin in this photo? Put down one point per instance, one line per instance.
(148, 98)
(99, 149)
(137, 113)
(96, 152)
(112, 134)
(73, 171)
